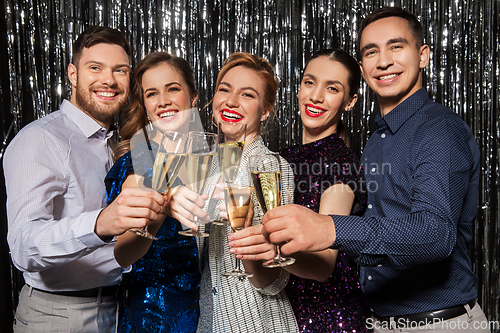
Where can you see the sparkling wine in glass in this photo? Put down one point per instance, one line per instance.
(265, 171)
(238, 205)
(166, 170)
(169, 159)
(230, 149)
(199, 162)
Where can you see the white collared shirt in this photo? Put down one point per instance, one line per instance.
(54, 174)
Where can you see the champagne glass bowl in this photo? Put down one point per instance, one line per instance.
(265, 170)
(199, 162)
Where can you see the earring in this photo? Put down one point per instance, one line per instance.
(149, 126)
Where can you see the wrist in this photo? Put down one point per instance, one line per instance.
(98, 230)
(332, 236)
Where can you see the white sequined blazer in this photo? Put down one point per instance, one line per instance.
(238, 305)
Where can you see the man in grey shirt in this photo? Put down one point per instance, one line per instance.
(60, 234)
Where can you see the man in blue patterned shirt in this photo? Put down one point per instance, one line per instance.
(422, 175)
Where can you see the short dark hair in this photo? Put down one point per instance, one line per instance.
(383, 12)
(96, 35)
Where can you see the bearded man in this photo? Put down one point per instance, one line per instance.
(60, 234)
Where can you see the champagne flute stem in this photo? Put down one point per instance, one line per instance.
(277, 253)
(143, 232)
(237, 265)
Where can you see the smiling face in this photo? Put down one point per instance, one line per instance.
(166, 98)
(239, 99)
(323, 97)
(100, 83)
(391, 61)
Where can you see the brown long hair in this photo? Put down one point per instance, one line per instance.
(353, 80)
(134, 117)
(262, 67)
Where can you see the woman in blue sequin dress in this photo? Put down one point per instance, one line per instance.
(245, 93)
(162, 290)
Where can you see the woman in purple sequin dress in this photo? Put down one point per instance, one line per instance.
(328, 180)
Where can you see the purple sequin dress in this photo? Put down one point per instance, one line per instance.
(335, 304)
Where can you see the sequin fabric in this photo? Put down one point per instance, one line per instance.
(161, 292)
(335, 304)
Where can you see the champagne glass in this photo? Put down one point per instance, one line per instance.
(199, 162)
(167, 163)
(238, 205)
(230, 149)
(265, 170)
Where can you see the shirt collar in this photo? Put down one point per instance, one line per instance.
(248, 151)
(85, 123)
(401, 113)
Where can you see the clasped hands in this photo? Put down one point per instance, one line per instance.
(295, 227)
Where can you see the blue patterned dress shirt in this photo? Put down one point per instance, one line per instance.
(422, 173)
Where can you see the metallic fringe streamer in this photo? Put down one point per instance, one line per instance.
(463, 73)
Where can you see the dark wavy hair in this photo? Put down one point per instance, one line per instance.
(353, 80)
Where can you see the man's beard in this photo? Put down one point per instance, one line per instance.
(100, 112)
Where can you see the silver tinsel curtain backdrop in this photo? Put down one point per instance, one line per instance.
(36, 38)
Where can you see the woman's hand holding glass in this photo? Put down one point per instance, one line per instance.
(185, 204)
(251, 244)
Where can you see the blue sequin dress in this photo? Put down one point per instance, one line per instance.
(163, 286)
(333, 305)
